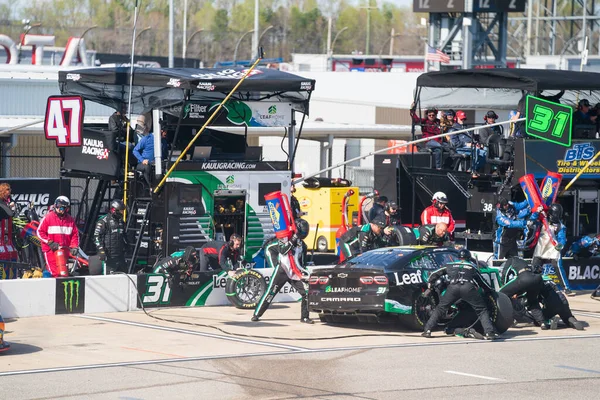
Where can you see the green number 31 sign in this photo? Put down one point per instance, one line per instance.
(549, 121)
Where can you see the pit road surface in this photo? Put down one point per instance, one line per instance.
(132, 356)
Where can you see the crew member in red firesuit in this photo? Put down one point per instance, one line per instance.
(430, 126)
(58, 229)
(438, 212)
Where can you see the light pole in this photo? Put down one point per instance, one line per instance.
(26, 30)
(142, 31)
(386, 41)
(255, 37)
(368, 45)
(238, 45)
(330, 55)
(268, 28)
(188, 43)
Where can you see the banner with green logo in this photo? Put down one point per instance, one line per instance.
(236, 113)
(70, 295)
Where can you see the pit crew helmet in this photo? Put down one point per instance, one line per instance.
(555, 213)
(116, 208)
(464, 254)
(62, 205)
(302, 228)
(439, 200)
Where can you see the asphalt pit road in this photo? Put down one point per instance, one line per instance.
(20, 349)
(259, 323)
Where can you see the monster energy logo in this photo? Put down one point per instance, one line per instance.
(71, 289)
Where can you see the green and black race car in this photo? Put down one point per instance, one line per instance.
(390, 283)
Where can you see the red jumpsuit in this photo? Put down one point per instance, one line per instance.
(61, 230)
(432, 215)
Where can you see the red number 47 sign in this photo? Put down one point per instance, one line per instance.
(64, 120)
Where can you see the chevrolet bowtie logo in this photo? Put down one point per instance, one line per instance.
(342, 275)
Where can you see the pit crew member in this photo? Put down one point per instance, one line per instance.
(58, 229)
(555, 302)
(178, 262)
(366, 237)
(438, 212)
(110, 240)
(464, 280)
(586, 246)
(435, 235)
(512, 225)
(545, 250)
(526, 282)
(286, 256)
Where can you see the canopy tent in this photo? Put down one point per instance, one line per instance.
(158, 88)
(530, 80)
(501, 89)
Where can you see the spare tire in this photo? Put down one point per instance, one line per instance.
(245, 289)
(404, 236)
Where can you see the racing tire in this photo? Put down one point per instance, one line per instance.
(404, 236)
(501, 312)
(322, 245)
(422, 307)
(245, 289)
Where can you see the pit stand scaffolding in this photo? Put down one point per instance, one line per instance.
(215, 183)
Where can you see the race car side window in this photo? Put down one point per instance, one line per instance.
(445, 257)
(423, 262)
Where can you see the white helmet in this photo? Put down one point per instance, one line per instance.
(62, 200)
(439, 197)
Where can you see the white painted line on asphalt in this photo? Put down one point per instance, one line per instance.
(587, 314)
(489, 378)
(196, 333)
(135, 363)
(591, 371)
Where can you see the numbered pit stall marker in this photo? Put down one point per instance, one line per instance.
(549, 121)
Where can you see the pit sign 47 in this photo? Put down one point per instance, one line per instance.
(64, 120)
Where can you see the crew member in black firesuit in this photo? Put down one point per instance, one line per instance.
(230, 254)
(526, 281)
(286, 256)
(392, 214)
(464, 279)
(511, 226)
(378, 208)
(433, 234)
(184, 261)
(555, 302)
(110, 238)
(359, 239)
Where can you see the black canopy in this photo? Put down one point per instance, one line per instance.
(163, 87)
(506, 78)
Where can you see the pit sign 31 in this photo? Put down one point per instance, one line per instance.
(64, 120)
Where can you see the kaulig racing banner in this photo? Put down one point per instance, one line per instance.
(202, 289)
(40, 192)
(96, 154)
(236, 113)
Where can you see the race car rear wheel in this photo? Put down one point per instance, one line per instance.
(422, 307)
(245, 289)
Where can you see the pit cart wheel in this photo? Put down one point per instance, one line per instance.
(245, 289)
(422, 307)
(322, 244)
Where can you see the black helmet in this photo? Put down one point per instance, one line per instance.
(584, 103)
(503, 203)
(380, 221)
(555, 213)
(392, 207)
(302, 228)
(464, 254)
(190, 256)
(491, 114)
(117, 207)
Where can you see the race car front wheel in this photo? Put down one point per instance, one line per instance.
(245, 289)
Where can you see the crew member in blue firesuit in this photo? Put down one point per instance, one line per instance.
(511, 222)
(546, 250)
(587, 246)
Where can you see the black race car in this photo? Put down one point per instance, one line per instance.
(388, 284)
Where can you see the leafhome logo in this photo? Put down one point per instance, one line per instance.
(340, 299)
(71, 289)
(228, 165)
(330, 289)
(94, 147)
(273, 110)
